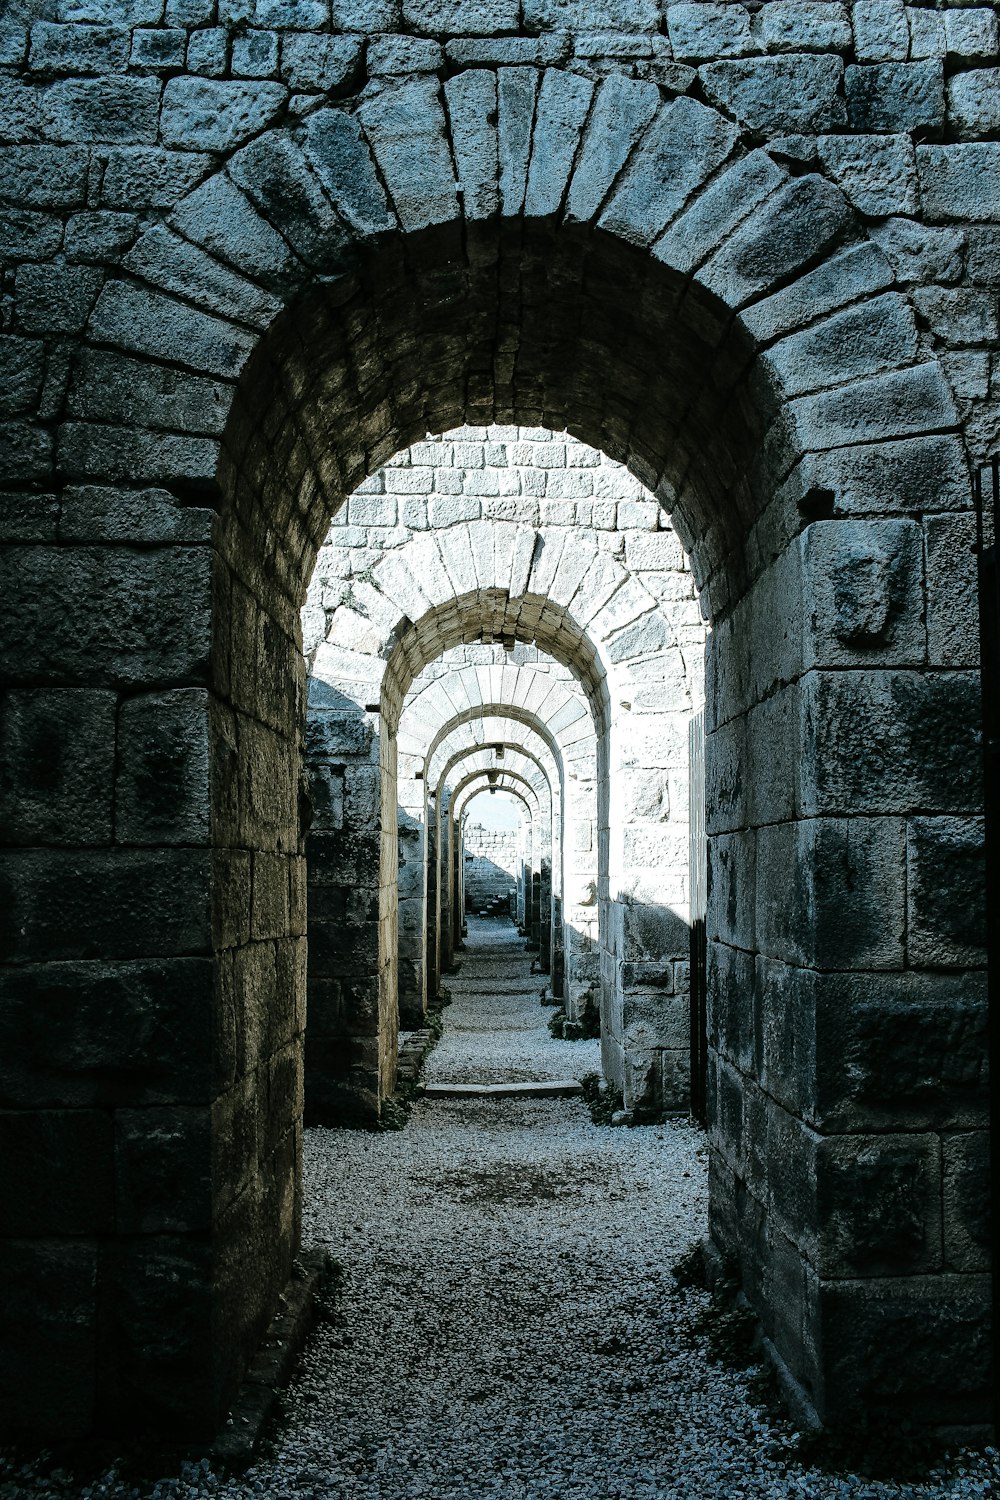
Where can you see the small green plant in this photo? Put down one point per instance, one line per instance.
(395, 1113)
(556, 1023)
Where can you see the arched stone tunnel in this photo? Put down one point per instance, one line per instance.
(765, 322)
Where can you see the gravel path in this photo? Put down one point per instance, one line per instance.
(508, 1324)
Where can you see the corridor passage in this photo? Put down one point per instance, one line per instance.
(509, 1325)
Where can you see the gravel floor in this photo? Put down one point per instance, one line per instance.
(508, 1324)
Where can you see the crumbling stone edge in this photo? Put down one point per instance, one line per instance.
(272, 1366)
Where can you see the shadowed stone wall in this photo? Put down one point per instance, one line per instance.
(249, 253)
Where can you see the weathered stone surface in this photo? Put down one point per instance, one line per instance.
(166, 260)
(779, 238)
(850, 274)
(104, 904)
(472, 103)
(891, 741)
(149, 322)
(105, 109)
(563, 105)
(866, 579)
(775, 94)
(58, 758)
(877, 172)
(620, 114)
(327, 64)
(946, 896)
(221, 219)
(149, 617)
(708, 30)
(162, 791)
(150, 177)
(920, 253)
(974, 103)
(717, 211)
(786, 26)
(56, 299)
(685, 144)
(895, 96)
(203, 114)
(877, 334)
(273, 174)
(880, 30)
(43, 176)
(406, 131)
(904, 401)
(966, 1201)
(831, 892)
(892, 477)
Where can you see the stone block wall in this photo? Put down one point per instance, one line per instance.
(250, 250)
(492, 865)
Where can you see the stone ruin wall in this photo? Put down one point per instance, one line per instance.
(492, 863)
(121, 344)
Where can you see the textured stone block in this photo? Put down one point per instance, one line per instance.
(865, 579)
(419, 176)
(163, 1170)
(150, 323)
(966, 1201)
(98, 1034)
(207, 51)
(149, 177)
(941, 1321)
(952, 591)
(878, 334)
(878, 1199)
(893, 405)
(895, 96)
(113, 110)
(877, 172)
(56, 299)
(717, 211)
(461, 17)
(58, 756)
(222, 220)
(622, 110)
(100, 237)
(563, 105)
(960, 182)
(159, 51)
(205, 114)
(255, 54)
(791, 228)
(56, 1173)
(974, 103)
(777, 94)
(43, 176)
(831, 892)
(880, 30)
(274, 175)
(146, 616)
(946, 895)
(787, 26)
(165, 260)
(849, 274)
(891, 742)
(708, 30)
(22, 366)
(324, 63)
(162, 787)
(104, 905)
(682, 148)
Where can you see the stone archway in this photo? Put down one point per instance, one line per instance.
(626, 270)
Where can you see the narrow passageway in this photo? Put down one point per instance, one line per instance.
(509, 1324)
(496, 1027)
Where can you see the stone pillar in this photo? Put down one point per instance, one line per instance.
(847, 1094)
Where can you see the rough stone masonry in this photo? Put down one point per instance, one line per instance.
(251, 250)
